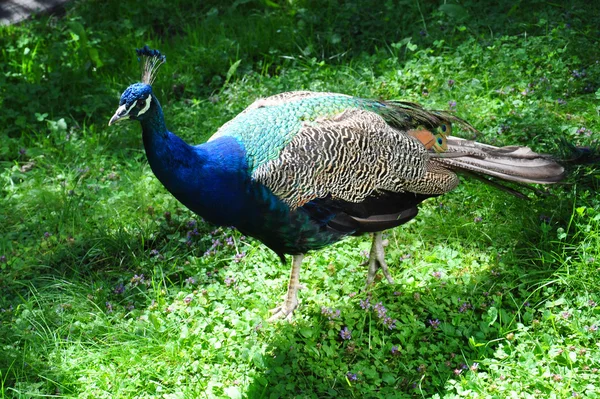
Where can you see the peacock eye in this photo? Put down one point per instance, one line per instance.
(443, 128)
(440, 141)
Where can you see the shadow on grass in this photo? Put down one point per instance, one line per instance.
(450, 317)
(444, 324)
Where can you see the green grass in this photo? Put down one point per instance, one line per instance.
(107, 290)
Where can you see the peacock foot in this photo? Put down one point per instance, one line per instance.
(377, 260)
(283, 311)
(286, 309)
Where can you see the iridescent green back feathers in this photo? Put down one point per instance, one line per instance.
(267, 126)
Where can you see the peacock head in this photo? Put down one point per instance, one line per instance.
(137, 99)
(135, 102)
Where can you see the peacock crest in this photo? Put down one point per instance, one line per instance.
(151, 60)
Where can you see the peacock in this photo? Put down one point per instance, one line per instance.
(301, 170)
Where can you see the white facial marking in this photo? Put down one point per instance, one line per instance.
(146, 106)
(122, 110)
(120, 114)
(132, 106)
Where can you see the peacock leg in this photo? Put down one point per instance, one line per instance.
(285, 310)
(377, 260)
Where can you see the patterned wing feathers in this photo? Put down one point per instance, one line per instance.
(347, 157)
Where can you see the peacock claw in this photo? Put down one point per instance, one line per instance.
(283, 312)
(290, 303)
(377, 260)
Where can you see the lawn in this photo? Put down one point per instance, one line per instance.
(109, 288)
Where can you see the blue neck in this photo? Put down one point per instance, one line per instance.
(153, 123)
(210, 179)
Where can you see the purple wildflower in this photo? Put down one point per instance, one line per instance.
(191, 224)
(389, 322)
(3, 259)
(22, 151)
(47, 235)
(381, 310)
(109, 307)
(452, 105)
(238, 257)
(345, 334)
(478, 219)
(451, 82)
(135, 280)
(351, 376)
(560, 101)
(464, 307)
(584, 131)
(119, 289)
(190, 281)
(434, 323)
(330, 313)
(366, 304)
(565, 315)
(229, 241)
(437, 275)
(187, 300)
(154, 252)
(229, 281)
(577, 74)
(474, 367)
(395, 350)
(591, 302)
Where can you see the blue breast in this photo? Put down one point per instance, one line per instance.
(216, 185)
(213, 180)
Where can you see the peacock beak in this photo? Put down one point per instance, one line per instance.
(120, 114)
